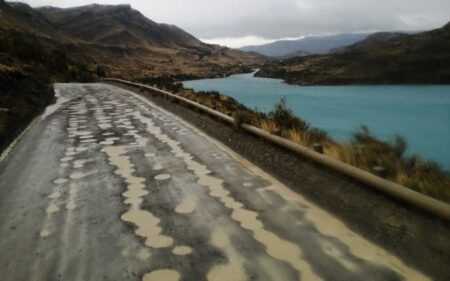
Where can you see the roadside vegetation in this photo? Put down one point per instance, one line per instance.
(383, 158)
(23, 95)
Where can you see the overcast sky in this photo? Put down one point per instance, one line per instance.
(242, 22)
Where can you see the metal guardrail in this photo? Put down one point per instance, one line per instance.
(398, 191)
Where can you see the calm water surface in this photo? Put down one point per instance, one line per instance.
(421, 114)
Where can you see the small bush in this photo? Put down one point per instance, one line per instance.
(241, 117)
(101, 71)
(285, 118)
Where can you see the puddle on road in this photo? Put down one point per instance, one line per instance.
(86, 137)
(147, 224)
(78, 164)
(44, 233)
(338, 255)
(66, 159)
(329, 226)
(162, 177)
(81, 149)
(88, 141)
(162, 275)
(143, 254)
(60, 181)
(326, 224)
(52, 208)
(275, 246)
(182, 250)
(55, 195)
(186, 206)
(77, 175)
(233, 270)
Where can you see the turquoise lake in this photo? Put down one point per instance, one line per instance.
(421, 114)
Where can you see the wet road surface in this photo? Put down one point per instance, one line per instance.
(112, 187)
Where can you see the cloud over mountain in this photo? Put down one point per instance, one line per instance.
(274, 19)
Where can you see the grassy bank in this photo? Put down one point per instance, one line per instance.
(384, 158)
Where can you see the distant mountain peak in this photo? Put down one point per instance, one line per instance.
(382, 58)
(118, 25)
(306, 45)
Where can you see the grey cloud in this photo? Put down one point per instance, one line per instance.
(274, 19)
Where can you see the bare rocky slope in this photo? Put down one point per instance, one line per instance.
(145, 48)
(116, 41)
(41, 46)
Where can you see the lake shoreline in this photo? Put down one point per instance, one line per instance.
(326, 107)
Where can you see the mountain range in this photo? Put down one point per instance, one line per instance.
(381, 58)
(306, 46)
(117, 38)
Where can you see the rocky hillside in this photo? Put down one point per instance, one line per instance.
(144, 48)
(24, 93)
(41, 46)
(119, 41)
(384, 58)
(118, 26)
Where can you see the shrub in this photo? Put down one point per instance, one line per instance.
(285, 118)
(241, 117)
(101, 71)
